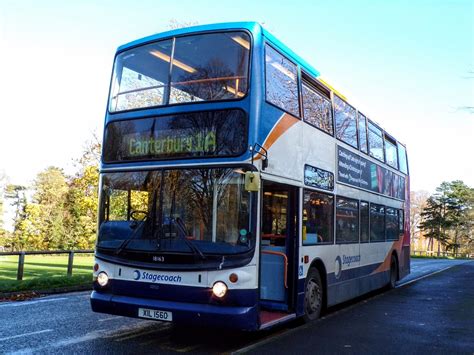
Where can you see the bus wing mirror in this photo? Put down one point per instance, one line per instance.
(252, 181)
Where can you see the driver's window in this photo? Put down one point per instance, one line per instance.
(119, 208)
(118, 205)
(139, 201)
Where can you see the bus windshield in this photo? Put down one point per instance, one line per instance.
(195, 211)
(206, 67)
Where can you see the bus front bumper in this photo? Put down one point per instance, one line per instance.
(242, 318)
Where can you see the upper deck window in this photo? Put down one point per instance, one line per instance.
(317, 108)
(362, 133)
(207, 67)
(346, 125)
(402, 158)
(375, 142)
(391, 152)
(281, 81)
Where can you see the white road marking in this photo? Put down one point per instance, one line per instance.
(27, 303)
(98, 334)
(107, 319)
(26, 334)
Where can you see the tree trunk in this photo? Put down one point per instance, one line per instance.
(455, 243)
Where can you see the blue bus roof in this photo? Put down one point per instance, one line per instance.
(253, 27)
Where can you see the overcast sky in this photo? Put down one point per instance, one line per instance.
(404, 63)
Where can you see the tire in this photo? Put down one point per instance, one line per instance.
(313, 295)
(393, 272)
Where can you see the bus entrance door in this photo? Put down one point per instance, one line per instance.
(277, 249)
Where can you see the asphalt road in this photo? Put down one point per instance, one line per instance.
(432, 314)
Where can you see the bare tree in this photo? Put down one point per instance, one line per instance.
(417, 204)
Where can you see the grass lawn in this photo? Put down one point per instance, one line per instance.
(43, 272)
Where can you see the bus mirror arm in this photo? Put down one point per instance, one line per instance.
(262, 152)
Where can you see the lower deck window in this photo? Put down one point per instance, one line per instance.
(347, 220)
(364, 222)
(391, 223)
(318, 217)
(377, 223)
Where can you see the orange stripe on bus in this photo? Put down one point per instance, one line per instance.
(281, 127)
(285, 122)
(388, 258)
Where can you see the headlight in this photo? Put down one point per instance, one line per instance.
(219, 289)
(102, 279)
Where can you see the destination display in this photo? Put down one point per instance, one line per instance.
(317, 177)
(171, 142)
(202, 134)
(360, 172)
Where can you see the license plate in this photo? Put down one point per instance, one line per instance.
(155, 314)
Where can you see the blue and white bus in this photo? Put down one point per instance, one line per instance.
(239, 189)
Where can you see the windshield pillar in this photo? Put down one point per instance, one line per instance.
(214, 213)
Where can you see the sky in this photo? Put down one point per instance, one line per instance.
(408, 65)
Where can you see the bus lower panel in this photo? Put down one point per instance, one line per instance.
(346, 290)
(404, 262)
(242, 318)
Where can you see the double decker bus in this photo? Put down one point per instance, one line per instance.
(238, 188)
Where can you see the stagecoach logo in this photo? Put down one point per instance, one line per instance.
(338, 267)
(148, 276)
(345, 260)
(348, 260)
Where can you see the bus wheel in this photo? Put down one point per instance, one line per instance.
(393, 272)
(313, 295)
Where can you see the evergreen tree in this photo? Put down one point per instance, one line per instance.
(448, 216)
(463, 219)
(438, 215)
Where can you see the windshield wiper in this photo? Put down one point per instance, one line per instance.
(124, 244)
(182, 233)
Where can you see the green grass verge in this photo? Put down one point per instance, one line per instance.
(44, 272)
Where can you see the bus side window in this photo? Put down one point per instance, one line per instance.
(346, 124)
(391, 223)
(391, 154)
(347, 220)
(317, 109)
(318, 209)
(377, 223)
(402, 158)
(281, 81)
(363, 133)
(364, 222)
(401, 223)
(375, 142)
